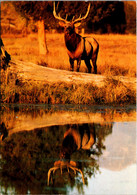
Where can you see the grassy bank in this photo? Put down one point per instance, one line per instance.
(113, 92)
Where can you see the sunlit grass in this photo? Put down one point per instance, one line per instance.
(117, 53)
(117, 56)
(113, 92)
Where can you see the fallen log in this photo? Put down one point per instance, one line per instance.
(23, 121)
(40, 74)
(27, 82)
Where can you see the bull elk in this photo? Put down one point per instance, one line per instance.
(75, 138)
(78, 47)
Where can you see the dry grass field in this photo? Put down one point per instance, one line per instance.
(117, 53)
(117, 57)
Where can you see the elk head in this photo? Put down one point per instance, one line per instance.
(69, 27)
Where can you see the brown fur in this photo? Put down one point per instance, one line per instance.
(75, 138)
(79, 48)
(71, 41)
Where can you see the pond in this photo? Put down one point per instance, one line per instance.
(67, 149)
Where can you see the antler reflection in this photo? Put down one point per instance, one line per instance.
(69, 165)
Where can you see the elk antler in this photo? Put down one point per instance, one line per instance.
(80, 19)
(65, 20)
(57, 16)
(62, 164)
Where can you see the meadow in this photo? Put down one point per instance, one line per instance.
(117, 57)
(117, 53)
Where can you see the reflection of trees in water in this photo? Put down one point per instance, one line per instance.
(10, 112)
(27, 157)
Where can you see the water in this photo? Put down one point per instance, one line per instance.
(98, 143)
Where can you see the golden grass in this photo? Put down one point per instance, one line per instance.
(113, 92)
(117, 53)
(117, 56)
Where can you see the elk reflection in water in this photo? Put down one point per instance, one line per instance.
(75, 138)
(28, 156)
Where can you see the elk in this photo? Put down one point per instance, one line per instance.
(75, 138)
(78, 47)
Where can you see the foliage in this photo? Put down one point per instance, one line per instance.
(36, 10)
(107, 16)
(104, 16)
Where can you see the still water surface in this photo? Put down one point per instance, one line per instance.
(67, 150)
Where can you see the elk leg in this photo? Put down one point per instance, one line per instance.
(87, 62)
(78, 64)
(71, 64)
(95, 66)
(94, 59)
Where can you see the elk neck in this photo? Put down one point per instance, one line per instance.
(68, 146)
(72, 41)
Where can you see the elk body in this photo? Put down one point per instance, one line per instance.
(75, 138)
(78, 47)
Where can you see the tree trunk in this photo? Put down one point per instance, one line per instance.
(43, 50)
